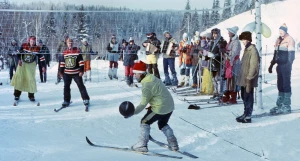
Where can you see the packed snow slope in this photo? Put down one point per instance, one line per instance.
(37, 133)
(273, 15)
(32, 133)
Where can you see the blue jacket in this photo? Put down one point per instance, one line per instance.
(130, 54)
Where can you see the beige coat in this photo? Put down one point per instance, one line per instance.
(86, 51)
(249, 70)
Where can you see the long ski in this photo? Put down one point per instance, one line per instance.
(168, 147)
(130, 150)
(269, 114)
(34, 102)
(62, 107)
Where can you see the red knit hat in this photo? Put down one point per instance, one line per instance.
(139, 67)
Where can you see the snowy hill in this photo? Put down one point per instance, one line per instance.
(273, 15)
(37, 133)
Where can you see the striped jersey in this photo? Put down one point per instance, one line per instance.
(72, 61)
(28, 53)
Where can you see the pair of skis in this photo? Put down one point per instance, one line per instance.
(34, 102)
(147, 153)
(63, 107)
(265, 114)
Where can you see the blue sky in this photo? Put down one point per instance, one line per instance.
(140, 4)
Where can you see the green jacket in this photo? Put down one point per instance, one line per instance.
(156, 94)
(86, 51)
(249, 68)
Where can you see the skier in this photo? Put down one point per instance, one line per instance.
(207, 85)
(62, 46)
(232, 61)
(284, 57)
(217, 48)
(86, 51)
(13, 60)
(185, 61)
(152, 45)
(72, 67)
(130, 55)
(24, 78)
(169, 59)
(248, 76)
(196, 52)
(161, 107)
(113, 49)
(46, 54)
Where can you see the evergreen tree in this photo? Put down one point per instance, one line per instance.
(215, 16)
(195, 22)
(227, 11)
(83, 24)
(186, 22)
(237, 7)
(49, 27)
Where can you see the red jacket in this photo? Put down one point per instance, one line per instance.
(185, 54)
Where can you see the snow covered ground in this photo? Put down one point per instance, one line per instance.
(31, 133)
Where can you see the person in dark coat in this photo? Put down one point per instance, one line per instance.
(13, 59)
(130, 55)
(44, 51)
(284, 57)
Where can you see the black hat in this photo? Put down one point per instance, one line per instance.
(40, 41)
(246, 36)
(126, 109)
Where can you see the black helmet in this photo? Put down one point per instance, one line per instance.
(126, 109)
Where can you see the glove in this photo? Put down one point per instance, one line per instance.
(271, 66)
(211, 55)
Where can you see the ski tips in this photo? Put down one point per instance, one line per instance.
(88, 141)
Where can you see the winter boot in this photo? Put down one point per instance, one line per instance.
(194, 85)
(285, 107)
(89, 75)
(141, 145)
(182, 81)
(31, 97)
(226, 97)
(86, 102)
(110, 72)
(167, 80)
(65, 103)
(232, 100)
(17, 98)
(131, 80)
(187, 81)
(279, 101)
(244, 119)
(85, 76)
(115, 71)
(127, 79)
(174, 80)
(172, 141)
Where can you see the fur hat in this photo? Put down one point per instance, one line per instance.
(113, 37)
(139, 67)
(84, 40)
(166, 32)
(246, 36)
(185, 35)
(283, 27)
(233, 30)
(131, 39)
